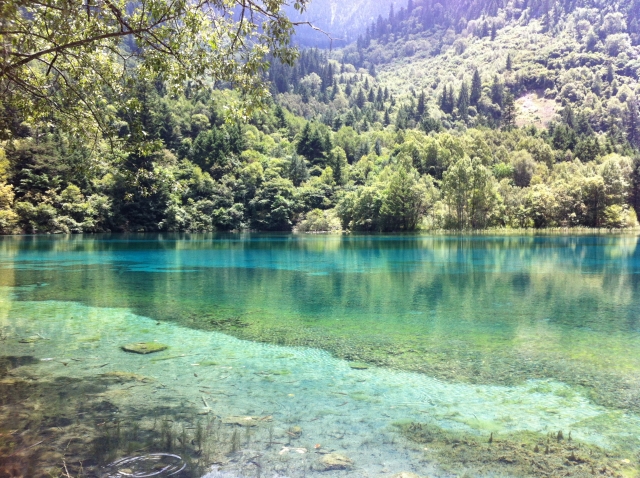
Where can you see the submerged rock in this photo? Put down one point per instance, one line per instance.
(31, 340)
(405, 474)
(335, 461)
(118, 376)
(144, 347)
(359, 366)
(245, 421)
(295, 431)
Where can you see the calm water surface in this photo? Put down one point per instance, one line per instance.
(330, 343)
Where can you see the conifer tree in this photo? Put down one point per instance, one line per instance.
(569, 117)
(444, 106)
(421, 108)
(463, 102)
(497, 91)
(509, 112)
(509, 62)
(279, 114)
(476, 89)
(633, 122)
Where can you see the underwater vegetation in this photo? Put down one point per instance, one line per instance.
(72, 428)
(67, 427)
(523, 454)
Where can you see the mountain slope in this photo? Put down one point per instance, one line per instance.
(342, 21)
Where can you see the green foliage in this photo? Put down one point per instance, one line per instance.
(406, 200)
(320, 221)
(435, 135)
(274, 205)
(61, 55)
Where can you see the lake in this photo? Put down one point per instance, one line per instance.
(320, 355)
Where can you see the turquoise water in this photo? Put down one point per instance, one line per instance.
(346, 337)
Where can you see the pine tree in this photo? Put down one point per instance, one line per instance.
(633, 122)
(485, 29)
(509, 112)
(444, 106)
(311, 144)
(360, 99)
(348, 90)
(569, 117)
(497, 91)
(494, 31)
(387, 118)
(476, 89)
(280, 117)
(421, 108)
(509, 62)
(463, 102)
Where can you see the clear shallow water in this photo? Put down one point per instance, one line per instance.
(475, 335)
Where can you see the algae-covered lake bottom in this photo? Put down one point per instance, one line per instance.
(270, 355)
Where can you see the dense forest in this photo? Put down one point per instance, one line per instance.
(514, 114)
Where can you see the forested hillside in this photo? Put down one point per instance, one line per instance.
(518, 114)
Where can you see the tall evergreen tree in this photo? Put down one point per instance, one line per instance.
(447, 101)
(509, 62)
(497, 91)
(312, 145)
(463, 102)
(361, 99)
(633, 122)
(422, 107)
(509, 112)
(568, 116)
(476, 89)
